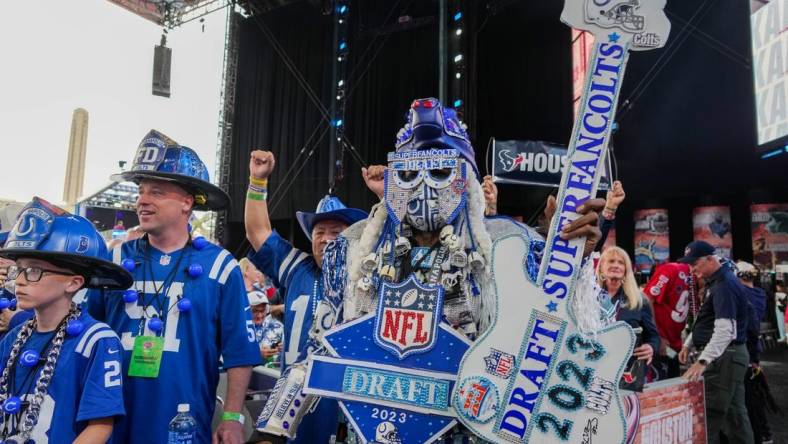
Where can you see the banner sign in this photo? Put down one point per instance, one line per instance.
(769, 19)
(671, 412)
(713, 225)
(769, 235)
(652, 243)
(529, 162)
(561, 381)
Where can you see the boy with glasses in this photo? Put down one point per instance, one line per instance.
(61, 357)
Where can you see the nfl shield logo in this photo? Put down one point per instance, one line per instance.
(408, 316)
(499, 363)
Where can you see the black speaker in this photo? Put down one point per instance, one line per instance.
(162, 58)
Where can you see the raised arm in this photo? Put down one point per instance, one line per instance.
(490, 196)
(614, 198)
(256, 219)
(374, 178)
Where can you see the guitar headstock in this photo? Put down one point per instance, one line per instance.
(642, 23)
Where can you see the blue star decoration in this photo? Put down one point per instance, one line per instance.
(613, 37)
(353, 348)
(552, 306)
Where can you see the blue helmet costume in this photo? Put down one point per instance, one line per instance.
(329, 208)
(47, 232)
(431, 125)
(427, 175)
(160, 158)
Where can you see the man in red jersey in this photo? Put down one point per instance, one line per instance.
(672, 294)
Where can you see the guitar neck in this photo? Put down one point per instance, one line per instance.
(590, 137)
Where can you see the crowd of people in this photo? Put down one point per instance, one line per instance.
(166, 312)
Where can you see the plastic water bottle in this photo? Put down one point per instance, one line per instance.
(182, 427)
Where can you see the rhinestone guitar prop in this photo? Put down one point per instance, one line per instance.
(532, 377)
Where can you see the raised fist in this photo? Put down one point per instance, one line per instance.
(615, 196)
(373, 177)
(261, 164)
(490, 196)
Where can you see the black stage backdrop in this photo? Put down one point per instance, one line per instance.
(688, 139)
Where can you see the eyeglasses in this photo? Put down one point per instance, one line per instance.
(32, 274)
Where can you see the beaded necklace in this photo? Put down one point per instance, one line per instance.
(30, 415)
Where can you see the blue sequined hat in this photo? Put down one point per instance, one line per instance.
(431, 125)
(44, 231)
(329, 208)
(161, 158)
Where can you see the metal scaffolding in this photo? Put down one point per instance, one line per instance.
(226, 117)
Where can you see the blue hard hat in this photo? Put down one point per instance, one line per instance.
(44, 231)
(432, 125)
(329, 208)
(161, 158)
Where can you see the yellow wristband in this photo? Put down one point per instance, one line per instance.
(258, 182)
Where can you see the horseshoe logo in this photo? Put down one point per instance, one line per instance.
(28, 221)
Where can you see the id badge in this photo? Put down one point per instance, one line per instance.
(146, 356)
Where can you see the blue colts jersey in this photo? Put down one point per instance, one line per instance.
(295, 274)
(218, 324)
(87, 383)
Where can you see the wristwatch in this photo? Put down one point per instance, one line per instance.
(703, 362)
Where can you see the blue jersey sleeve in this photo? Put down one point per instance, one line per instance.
(238, 342)
(277, 259)
(605, 225)
(102, 392)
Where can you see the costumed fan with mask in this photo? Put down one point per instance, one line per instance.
(426, 246)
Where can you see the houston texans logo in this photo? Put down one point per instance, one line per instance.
(509, 161)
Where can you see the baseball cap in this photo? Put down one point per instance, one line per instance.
(696, 250)
(257, 297)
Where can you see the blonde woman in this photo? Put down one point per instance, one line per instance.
(624, 302)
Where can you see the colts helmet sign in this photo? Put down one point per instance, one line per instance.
(408, 316)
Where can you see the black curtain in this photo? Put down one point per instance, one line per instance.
(524, 87)
(389, 66)
(273, 113)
